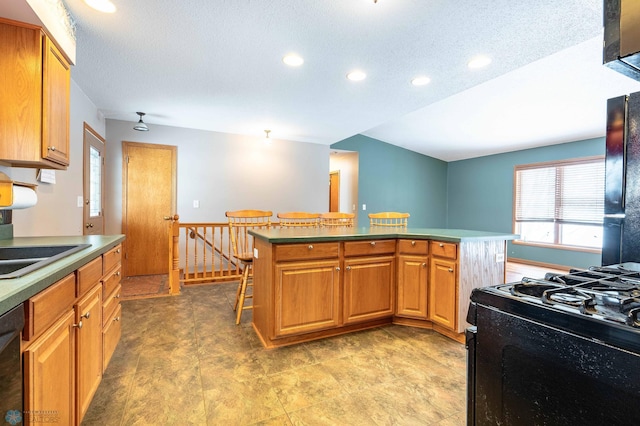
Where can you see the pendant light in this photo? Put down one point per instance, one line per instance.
(267, 140)
(140, 126)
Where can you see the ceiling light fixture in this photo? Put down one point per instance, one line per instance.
(140, 126)
(267, 140)
(293, 60)
(479, 62)
(356, 75)
(104, 6)
(421, 81)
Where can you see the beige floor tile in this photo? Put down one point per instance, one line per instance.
(229, 402)
(305, 386)
(343, 410)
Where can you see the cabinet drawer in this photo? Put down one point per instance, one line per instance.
(47, 306)
(305, 251)
(112, 258)
(363, 248)
(413, 246)
(111, 336)
(448, 250)
(88, 276)
(110, 303)
(110, 282)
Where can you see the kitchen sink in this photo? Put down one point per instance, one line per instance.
(21, 260)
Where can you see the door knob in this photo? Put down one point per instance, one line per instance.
(89, 225)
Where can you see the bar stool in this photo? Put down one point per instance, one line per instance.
(337, 220)
(389, 219)
(299, 220)
(240, 221)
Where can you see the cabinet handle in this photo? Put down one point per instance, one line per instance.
(373, 243)
(117, 296)
(450, 270)
(117, 274)
(79, 324)
(413, 243)
(116, 318)
(87, 315)
(441, 245)
(118, 251)
(424, 265)
(310, 247)
(348, 268)
(338, 268)
(51, 148)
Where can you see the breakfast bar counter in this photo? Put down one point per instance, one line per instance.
(311, 283)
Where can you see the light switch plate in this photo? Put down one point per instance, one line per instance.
(80, 201)
(255, 252)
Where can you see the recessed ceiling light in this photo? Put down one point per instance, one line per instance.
(293, 60)
(421, 80)
(356, 75)
(479, 62)
(101, 5)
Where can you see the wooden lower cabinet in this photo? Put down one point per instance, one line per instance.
(442, 293)
(67, 344)
(412, 286)
(369, 288)
(88, 348)
(307, 296)
(49, 370)
(111, 335)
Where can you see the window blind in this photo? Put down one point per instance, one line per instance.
(563, 192)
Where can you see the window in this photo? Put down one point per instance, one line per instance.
(560, 203)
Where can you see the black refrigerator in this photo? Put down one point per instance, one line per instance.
(621, 239)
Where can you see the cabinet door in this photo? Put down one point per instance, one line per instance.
(20, 93)
(307, 297)
(412, 287)
(55, 105)
(49, 365)
(442, 292)
(368, 288)
(89, 348)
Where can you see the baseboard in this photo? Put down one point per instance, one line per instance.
(540, 264)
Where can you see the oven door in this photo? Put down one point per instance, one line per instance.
(527, 373)
(11, 325)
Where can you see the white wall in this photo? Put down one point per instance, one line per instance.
(224, 172)
(56, 212)
(346, 162)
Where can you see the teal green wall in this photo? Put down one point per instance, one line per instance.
(467, 194)
(480, 196)
(395, 179)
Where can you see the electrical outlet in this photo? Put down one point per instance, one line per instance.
(80, 201)
(196, 204)
(364, 207)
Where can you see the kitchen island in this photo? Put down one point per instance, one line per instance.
(315, 282)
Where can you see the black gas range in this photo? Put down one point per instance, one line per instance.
(557, 350)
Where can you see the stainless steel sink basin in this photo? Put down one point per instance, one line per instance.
(20, 260)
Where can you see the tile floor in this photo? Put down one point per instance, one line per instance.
(183, 361)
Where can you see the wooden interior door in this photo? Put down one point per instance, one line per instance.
(93, 186)
(334, 191)
(149, 195)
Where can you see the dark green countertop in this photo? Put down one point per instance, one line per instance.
(306, 235)
(16, 290)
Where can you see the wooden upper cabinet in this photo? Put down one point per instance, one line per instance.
(56, 88)
(34, 94)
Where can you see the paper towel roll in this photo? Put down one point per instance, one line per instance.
(23, 197)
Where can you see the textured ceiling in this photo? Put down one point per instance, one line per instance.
(216, 65)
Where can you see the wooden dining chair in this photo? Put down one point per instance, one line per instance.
(388, 219)
(240, 222)
(299, 220)
(337, 220)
